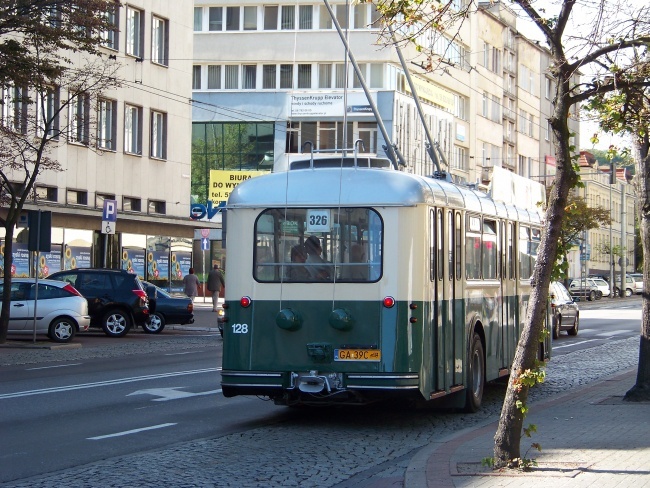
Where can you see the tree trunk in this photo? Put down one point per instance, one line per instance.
(6, 292)
(641, 390)
(507, 449)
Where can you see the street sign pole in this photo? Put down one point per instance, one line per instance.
(109, 220)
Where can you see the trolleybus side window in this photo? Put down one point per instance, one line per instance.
(489, 243)
(433, 245)
(459, 246)
(318, 244)
(452, 249)
(529, 239)
(441, 251)
(473, 247)
(511, 251)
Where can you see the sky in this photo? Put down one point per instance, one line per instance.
(582, 12)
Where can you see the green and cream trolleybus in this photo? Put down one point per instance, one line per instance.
(349, 282)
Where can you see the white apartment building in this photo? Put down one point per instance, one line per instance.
(139, 155)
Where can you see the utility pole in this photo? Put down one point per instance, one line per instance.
(612, 179)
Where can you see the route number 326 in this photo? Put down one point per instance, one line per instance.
(239, 328)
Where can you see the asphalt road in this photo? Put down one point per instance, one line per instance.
(118, 398)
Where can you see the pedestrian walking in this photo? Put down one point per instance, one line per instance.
(191, 284)
(215, 284)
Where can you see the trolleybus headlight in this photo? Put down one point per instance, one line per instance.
(245, 302)
(389, 302)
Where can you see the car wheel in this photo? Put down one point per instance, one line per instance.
(62, 330)
(592, 296)
(628, 292)
(475, 375)
(556, 326)
(156, 324)
(573, 331)
(116, 323)
(617, 292)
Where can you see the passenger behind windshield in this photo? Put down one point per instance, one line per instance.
(317, 267)
(297, 271)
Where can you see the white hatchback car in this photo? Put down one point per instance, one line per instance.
(60, 309)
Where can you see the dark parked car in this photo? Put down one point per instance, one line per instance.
(116, 299)
(566, 315)
(169, 310)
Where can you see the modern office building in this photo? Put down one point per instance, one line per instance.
(272, 80)
(132, 147)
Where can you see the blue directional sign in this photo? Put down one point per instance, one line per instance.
(205, 244)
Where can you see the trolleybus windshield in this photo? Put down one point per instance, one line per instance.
(304, 245)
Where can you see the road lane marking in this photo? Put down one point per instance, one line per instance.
(98, 384)
(167, 394)
(57, 366)
(128, 432)
(576, 343)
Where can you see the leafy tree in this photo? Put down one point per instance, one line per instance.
(628, 111)
(49, 61)
(579, 218)
(601, 48)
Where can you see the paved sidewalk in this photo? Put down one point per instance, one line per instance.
(589, 438)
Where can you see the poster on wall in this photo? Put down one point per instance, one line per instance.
(158, 265)
(20, 258)
(76, 257)
(49, 262)
(180, 266)
(133, 261)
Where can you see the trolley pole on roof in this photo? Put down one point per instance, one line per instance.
(393, 153)
(418, 106)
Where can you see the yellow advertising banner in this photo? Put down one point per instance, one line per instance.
(223, 182)
(432, 93)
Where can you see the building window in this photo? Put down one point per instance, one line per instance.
(110, 37)
(324, 76)
(79, 119)
(231, 77)
(47, 193)
(14, 108)
(106, 124)
(269, 81)
(484, 105)
(286, 76)
(158, 135)
(100, 197)
(305, 16)
(47, 116)
(214, 77)
(304, 76)
(250, 18)
(232, 18)
(160, 41)
(531, 124)
(156, 207)
(376, 75)
(134, 32)
(460, 104)
(133, 130)
(77, 197)
(131, 204)
(362, 69)
(215, 19)
(271, 17)
(198, 19)
(196, 77)
(249, 76)
(340, 73)
(325, 21)
(288, 17)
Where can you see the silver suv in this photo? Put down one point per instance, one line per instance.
(587, 288)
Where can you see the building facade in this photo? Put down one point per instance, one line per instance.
(133, 148)
(272, 80)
